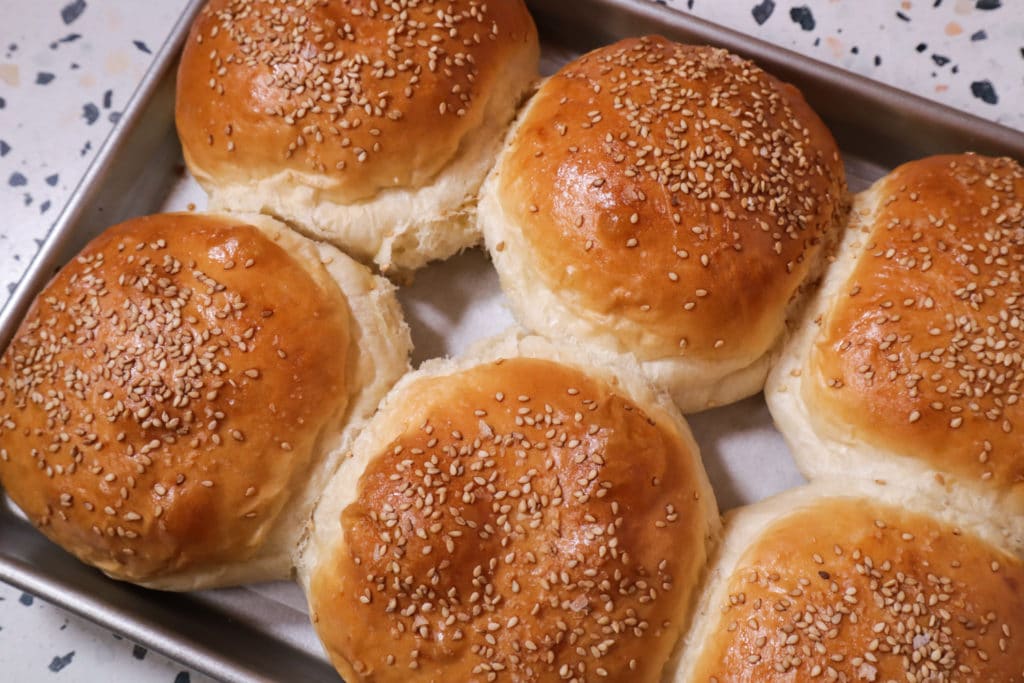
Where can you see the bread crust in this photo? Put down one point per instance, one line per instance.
(907, 365)
(178, 393)
(370, 125)
(668, 201)
(856, 579)
(471, 402)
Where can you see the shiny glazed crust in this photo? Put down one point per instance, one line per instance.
(666, 200)
(908, 365)
(542, 521)
(171, 402)
(363, 123)
(857, 581)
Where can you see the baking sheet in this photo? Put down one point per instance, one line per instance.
(262, 632)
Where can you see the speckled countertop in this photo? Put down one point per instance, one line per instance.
(67, 69)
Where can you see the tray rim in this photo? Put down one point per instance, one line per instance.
(201, 656)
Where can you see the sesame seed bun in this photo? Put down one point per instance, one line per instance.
(666, 200)
(368, 124)
(908, 364)
(528, 509)
(180, 392)
(855, 581)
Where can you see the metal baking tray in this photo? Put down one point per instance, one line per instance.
(260, 633)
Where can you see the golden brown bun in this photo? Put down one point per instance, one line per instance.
(908, 366)
(370, 124)
(667, 200)
(516, 516)
(164, 406)
(841, 582)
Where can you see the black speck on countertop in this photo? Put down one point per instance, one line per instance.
(44, 78)
(802, 15)
(72, 11)
(985, 91)
(762, 11)
(979, 35)
(139, 652)
(4, 148)
(142, 46)
(90, 112)
(52, 179)
(940, 60)
(183, 677)
(69, 38)
(988, 4)
(58, 663)
(108, 98)
(18, 180)
(25, 598)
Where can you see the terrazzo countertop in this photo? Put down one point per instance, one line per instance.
(67, 69)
